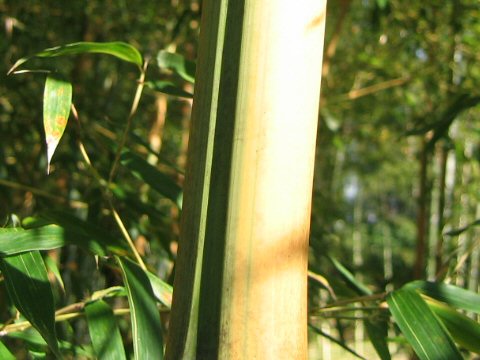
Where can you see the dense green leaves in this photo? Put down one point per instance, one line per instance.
(120, 50)
(27, 284)
(421, 327)
(104, 332)
(152, 176)
(145, 318)
(57, 100)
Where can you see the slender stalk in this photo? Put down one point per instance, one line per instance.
(105, 188)
(127, 237)
(23, 325)
(133, 110)
(42, 193)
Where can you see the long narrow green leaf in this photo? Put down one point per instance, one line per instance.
(163, 291)
(168, 88)
(146, 325)
(15, 241)
(104, 332)
(57, 100)
(464, 330)
(336, 341)
(121, 50)
(5, 354)
(152, 176)
(178, 64)
(458, 231)
(53, 268)
(421, 327)
(36, 344)
(377, 332)
(357, 285)
(27, 284)
(450, 294)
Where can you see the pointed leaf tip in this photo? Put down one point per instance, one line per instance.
(57, 100)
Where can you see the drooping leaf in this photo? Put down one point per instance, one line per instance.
(336, 341)
(121, 50)
(113, 291)
(57, 100)
(53, 268)
(322, 280)
(104, 332)
(377, 332)
(163, 291)
(178, 64)
(421, 328)
(458, 231)
(464, 330)
(357, 285)
(450, 294)
(5, 354)
(152, 176)
(145, 318)
(27, 284)
(15, 241)
(168, 88)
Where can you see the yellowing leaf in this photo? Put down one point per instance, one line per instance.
(57, 100)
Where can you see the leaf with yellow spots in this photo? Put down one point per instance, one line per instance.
(57, 100)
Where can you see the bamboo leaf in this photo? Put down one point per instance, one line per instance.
(336, 341)
(450, 294)
(421, 327)
(15, 241)
(36, 344)
(27, 284)
(464, 330)
(121, 50)
(152, 176)
(57, 100)
(53, 268)
(458, 231)
(178, 64)
(168, 88)
(162, 291)
(377, 332)
(146, 326)
(357, 285)
(5, 354)
(104, 332)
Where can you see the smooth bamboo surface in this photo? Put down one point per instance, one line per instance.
(251, 233)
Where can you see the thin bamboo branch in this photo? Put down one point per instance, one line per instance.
(133, 110)
(42, 193)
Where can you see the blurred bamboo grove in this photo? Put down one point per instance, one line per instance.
(395, 208)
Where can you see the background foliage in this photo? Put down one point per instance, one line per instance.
(395, 192)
